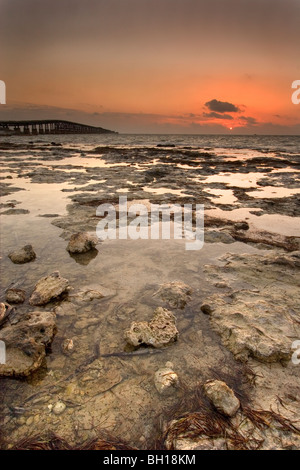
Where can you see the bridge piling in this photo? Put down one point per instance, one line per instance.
(50, 126)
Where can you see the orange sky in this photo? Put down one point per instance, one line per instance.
(152, 65)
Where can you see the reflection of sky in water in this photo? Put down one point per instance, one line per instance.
(241, 180)
(127, 266)
(162, 190)
(281, 224)
(224, 196)
(39, 198)
(272, 191)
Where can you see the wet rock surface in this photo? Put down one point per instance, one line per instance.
(15, 296)
(22, 255)
(2, 311)
(222, 397)
(166, 380)
(213, 236)
(254, 319)
(176, 294)
(92, 292)
(159, 332)
(103, 382)
(59, 408)
(48, 288)
(15, 212)
(26, 344)
(248, 430)
(82, 242)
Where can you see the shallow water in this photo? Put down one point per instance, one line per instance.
(114, 393)
(102, 387)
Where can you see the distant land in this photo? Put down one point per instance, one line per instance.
(49, 126)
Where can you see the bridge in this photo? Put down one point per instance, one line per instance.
(49, 126)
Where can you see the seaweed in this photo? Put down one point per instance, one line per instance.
(51, 441)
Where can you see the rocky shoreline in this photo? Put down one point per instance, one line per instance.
(117, 336)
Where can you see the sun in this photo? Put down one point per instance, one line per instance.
(230, 128)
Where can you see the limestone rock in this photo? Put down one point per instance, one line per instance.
(206, 309)
(241, 226)
(15, 296)
(222, 397)
(214, 236)
(202, 431)
(82, 242)
(195, 431)
(93, 292)
(257, 320)
(65, 309)
(201, 443)
(59, 408)
(2, 311)
(5, 310)
(22, 255)
(175, 293)
(48, 288)
(166, 379)
(253, 328)
(26, 343)
(159, 332)
(67, 346)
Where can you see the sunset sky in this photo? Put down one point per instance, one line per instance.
(153, 66)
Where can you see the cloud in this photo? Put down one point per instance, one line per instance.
(251, 121)
(151, 123)
(221, 106)
(217, 115)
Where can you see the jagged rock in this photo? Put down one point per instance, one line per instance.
(157, 172)
(206, 309)
(82, 242)
(241, 226)
(222, 397)
(67, 346)
(2, 310)
(23, 255)
(159, 332)
(257, 320)
(15, 296)
(26, 343)
(262, 237)
(214, 236)
(48, 288)
(251, 327)
(166, 379)
(175, 293)
(5, 311)
(15, 212)
(59, 408)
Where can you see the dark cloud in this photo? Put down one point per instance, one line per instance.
(141, 122)
(249, 120)
(221, 106)
(217, 115)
